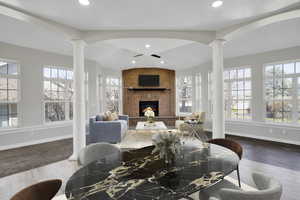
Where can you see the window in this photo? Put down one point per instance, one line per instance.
(198, 92)
(100, 92)
(282, 92)
(112, 94)
(237, 93)
(9, 94)
(58, 94)
(184, 87)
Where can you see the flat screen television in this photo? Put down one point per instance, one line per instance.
(149, 80)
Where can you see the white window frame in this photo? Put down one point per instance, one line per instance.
(108, 86)
(178, 89)
(67, 103)
(228, 82)
(294, 94)
(18, 92)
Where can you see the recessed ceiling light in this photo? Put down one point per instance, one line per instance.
(133, 62)
(147, 46)
(84, 2)
(217, 4)
(162, 62)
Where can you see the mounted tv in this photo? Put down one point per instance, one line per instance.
(149, 80)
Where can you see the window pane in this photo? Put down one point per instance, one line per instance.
(54, 111)
(54, 73)
(13, 84)
(8, 94)
(241, 73)
(69, 75)
(3, 109)
(47, 72)
(3, 67)
(3, 95)
(12, 69)
(12, 95)
(287, 83)
(289, 68)
(247, 73)
(297, 67)
(3, 83)
(269, 71)
(278, 71)
(62, 74)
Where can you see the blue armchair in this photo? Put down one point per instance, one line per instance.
(108, 131)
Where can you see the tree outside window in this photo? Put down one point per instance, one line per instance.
(58, 94)
(185, 94)
(281, 92)
(112, 94)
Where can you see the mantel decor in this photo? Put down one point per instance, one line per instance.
(150, 115)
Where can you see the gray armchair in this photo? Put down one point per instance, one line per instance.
(107, 131)
(268, 189)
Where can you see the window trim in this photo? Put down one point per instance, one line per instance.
(68, 120)
(294, 121)
(18, 102)
(178, 85)
(248, 79)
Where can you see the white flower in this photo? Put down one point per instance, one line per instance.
(149, 113)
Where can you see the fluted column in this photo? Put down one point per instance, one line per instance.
(79, 121)
(218, 118)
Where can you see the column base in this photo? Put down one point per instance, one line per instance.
(73, 157)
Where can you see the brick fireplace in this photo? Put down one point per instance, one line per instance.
(161, 97)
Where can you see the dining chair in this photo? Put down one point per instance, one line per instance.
(45, 190)
(233, 146)
(268, 188)
(98, 152)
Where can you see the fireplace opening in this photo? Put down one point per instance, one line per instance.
(145, 104)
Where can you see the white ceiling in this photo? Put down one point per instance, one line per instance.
(177, 54)
(150, 14)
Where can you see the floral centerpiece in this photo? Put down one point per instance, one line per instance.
(168, 145)
(149, 114)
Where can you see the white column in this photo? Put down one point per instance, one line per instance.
(79, 122)
(204, 92)
(218, 120)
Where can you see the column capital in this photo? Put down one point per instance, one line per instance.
(217, 42)
(78, 42)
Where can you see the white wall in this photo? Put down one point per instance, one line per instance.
(257, 128)
(32, 127)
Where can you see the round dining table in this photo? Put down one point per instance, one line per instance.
(140, 175)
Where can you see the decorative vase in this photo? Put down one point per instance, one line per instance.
(168, 145)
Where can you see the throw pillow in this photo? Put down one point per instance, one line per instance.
(107, 116)
(114, 116)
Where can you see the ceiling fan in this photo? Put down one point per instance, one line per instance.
(153, 55)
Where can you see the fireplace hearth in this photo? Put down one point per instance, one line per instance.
(145, 104)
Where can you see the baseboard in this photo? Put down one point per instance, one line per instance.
(261, 138)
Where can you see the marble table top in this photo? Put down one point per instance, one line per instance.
(155, 126)
(141, 175)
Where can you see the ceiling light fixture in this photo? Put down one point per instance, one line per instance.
(147, 46)
(217, 4)
(84, 2)
(133, 62)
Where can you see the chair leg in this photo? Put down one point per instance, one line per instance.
(238, 174)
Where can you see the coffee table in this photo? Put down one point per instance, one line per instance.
(156, 126)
